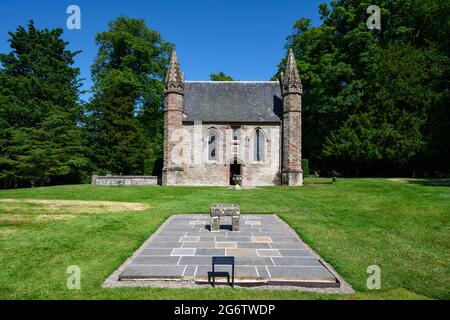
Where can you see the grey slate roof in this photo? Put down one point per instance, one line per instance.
(232, 101)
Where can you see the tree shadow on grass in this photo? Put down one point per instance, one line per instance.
(430, 182)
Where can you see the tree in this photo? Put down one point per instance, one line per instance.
(125, 115)
(374, 101)
(221, 76)
(40, 141)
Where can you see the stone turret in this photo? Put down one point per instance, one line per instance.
(173, 121)
(291, 85)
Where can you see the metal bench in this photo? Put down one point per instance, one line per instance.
(222, 261)
(223, 210)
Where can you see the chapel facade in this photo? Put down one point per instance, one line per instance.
(222, 133)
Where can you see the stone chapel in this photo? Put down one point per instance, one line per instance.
(217, 133)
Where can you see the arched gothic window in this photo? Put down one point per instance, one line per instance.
(258, 145)
(213, 145)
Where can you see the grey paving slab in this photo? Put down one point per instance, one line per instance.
(244, 228)
(197, 223)
(183, 252)
(178, 224)
(189, 239)
(253, 222)
(253, 261)
(251, 216)
(207, 238)
(166, 239)
(196, 261)
(210, 252)
(267, 234)
(287, 245)
(266, 250)
(233, 238)
(175, 234)
(200, 234)
(152, 272)
(246, 233)
(207, 230)
(272, 229)
(295, 253)
(285, 239)
(300, 273)
(296, 261)
(189, 272)
(181, 228)
(263, 274)
(252, 245)
(164, 245)
(200, 244)
(157, 252)
(155, 260)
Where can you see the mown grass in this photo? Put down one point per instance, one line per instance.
(355, 223)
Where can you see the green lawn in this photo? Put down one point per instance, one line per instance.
(402, 227)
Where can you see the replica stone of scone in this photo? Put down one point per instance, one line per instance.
(225, 210)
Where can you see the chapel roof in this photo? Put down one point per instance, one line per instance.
(232, 101)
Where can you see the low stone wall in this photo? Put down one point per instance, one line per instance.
(110, 180)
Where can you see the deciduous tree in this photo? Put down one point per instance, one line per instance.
(375, 101)
(125, 123)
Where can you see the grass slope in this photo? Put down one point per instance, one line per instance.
(402, 227)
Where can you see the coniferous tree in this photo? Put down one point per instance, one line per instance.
(40, 141)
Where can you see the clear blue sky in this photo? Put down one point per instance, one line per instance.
(242, 38)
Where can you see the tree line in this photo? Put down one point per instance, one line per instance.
(375, 102)
(48, 135)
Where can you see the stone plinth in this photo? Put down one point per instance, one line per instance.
(225, 210)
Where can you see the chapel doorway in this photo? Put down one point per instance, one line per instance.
(235, 170)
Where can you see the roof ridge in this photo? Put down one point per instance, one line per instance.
(209, 81)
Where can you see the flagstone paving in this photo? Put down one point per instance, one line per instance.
(266, 251)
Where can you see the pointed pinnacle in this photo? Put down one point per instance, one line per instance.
(291, 74)
(174, 77)
(173, 72)
(291, 81)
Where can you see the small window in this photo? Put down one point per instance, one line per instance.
(236, 133)
(258, 145)
(212, 146)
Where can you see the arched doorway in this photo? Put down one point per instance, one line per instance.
(236, 168)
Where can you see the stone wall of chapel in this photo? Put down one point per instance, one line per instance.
(199, 170)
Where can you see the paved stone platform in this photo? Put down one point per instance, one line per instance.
(266, 251)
